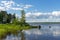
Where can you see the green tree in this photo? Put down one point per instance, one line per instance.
(3, 16)
(22, 16)
(9, 18)
(14, 21)
(22, 20)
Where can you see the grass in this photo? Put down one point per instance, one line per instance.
(10, 28)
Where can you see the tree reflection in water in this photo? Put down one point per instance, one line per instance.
(22, 36)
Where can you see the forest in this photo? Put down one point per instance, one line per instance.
(5, 17)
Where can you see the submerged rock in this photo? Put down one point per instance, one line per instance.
(39, 26)
(49, 26)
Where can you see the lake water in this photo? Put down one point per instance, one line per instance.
(45, 33)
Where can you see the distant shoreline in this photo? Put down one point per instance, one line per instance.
(46, 22)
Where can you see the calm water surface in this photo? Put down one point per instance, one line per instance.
(45, 33)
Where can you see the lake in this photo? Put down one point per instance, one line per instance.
(45, 33)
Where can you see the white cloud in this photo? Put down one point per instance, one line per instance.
(27, 6)
(18, 5)
(11, 5)
(33, 14)
(39, 16)
(50, 17)
(7, 4)
(2, 8)
(56, 13)
(28, 14)
(16, 8)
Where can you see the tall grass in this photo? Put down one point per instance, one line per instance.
(10, 28)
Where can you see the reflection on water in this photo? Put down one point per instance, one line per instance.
(45, 33)
(13, 37)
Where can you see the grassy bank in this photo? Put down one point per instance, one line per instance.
(10, 28)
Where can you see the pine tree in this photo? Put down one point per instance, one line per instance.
(22, 16)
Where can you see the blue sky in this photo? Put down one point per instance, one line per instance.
(36, 10)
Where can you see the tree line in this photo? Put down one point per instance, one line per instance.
(9, 18)
(6, 17)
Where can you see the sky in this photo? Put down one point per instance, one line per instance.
(35, 10)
